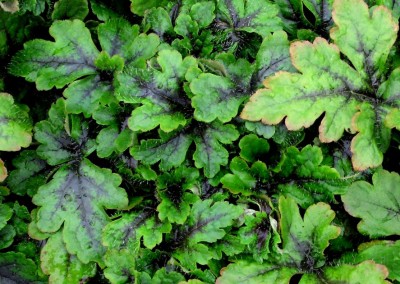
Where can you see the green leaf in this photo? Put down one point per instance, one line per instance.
(305, 239)
(372, 134)
(56, 64)
(3, 171)
(116, 137)
(254, 273)
(160, 92)
(15, 267)
(140, 6)
(162, 276)
(368, 41)
(171, 151)
(120, 266)
(220, 96)
(253, 148)
(290, 12)
(273, 56)
(76, 197)
(5, 214)
(365, 272)
(207, 220)
(266, 131)
(118, 36)
(250, 16)
(256, 234)
(322, 11)
(175, 201)
(15, 125)
(7, 235)
(61, 266)
(67, 9)
(382, 252)
(244, 179)
(210, 154)
(193, 254)
(63, 137)
(340, 91)
(158, 20)
(376, 204)
(29, 173)
(203, 13)
(127, 231)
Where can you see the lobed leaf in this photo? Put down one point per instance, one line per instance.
(15, 125)
(376, 204)
(328, 85)
(76, 198)
(61, 266)
(56, 64)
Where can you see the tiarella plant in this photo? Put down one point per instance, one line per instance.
(220, 141)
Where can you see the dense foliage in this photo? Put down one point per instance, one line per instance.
(211, 141)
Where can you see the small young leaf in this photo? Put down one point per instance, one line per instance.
(253, 148)
(15, 125)
(377, 204)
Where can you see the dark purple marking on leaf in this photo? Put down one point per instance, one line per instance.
(130, 230)
(262, 231)
(277, 64)
(174, 193)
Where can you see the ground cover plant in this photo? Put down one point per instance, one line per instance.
(220, 141)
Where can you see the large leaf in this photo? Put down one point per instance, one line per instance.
(76, 197)
(15, 124)
(57, 63)
(377, 204)
(341, 92)
(61, 266)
